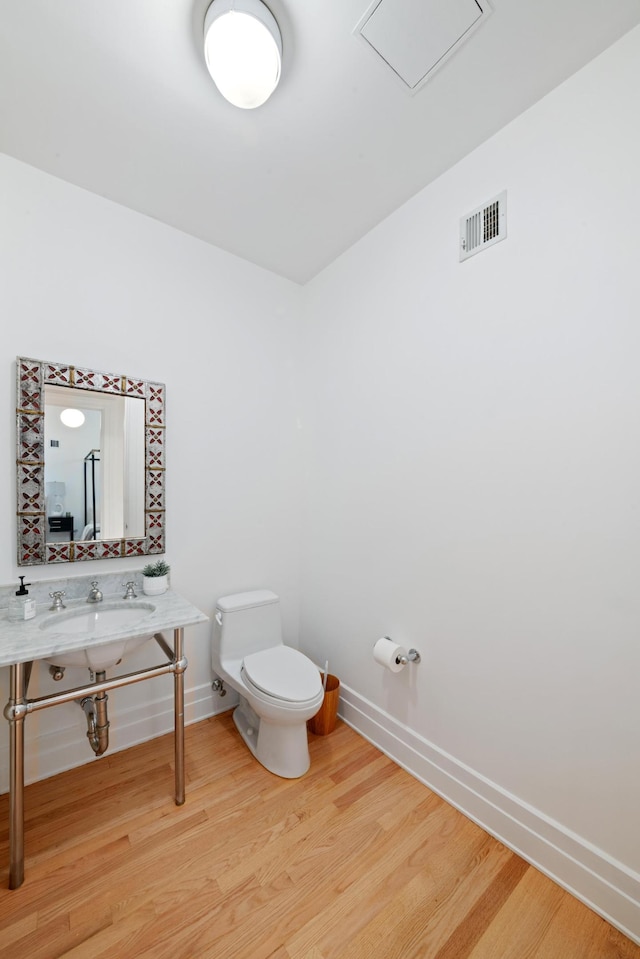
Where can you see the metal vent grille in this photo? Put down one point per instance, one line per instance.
(483, 227)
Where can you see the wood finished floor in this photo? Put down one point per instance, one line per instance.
(356, 859)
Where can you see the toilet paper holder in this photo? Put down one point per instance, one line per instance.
(413, 656)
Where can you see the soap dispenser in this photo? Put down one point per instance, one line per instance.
(21, 606)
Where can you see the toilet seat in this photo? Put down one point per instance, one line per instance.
(283, 673)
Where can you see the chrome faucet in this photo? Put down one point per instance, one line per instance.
(95, 596)
(56, 596)
(131, 592)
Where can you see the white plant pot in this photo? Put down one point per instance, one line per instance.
(154, 585)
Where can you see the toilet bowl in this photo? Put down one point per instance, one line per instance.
(279, 687)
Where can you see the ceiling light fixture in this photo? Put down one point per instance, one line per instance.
(243, 51)
(72, 418)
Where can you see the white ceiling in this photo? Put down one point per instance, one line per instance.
(114, 97)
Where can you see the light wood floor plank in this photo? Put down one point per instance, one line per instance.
(521, 926)
(356, 860)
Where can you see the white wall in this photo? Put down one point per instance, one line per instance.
(89, 282)
(472, 478)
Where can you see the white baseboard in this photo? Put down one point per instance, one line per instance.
(605, 885)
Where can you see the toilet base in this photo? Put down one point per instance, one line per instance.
(282, 749)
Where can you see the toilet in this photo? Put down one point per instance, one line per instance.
(279, 687)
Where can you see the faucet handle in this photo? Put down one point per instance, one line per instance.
(95, 596)
(56, 596)
(130, 590)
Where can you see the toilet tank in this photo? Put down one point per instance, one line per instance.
(247, 623)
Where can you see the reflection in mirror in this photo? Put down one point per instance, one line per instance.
(94, 490)
(93, 471)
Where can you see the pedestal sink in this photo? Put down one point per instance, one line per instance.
(96, 622)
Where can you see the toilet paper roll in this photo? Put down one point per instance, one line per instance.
(387, 653)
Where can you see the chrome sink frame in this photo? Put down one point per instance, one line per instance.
(19, 706)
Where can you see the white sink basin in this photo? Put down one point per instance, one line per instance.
(95, 622)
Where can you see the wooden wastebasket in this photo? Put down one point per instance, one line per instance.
(324, 721)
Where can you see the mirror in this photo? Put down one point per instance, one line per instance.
(94, 490)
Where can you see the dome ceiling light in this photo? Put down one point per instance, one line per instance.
(72, 417)
(243, 51)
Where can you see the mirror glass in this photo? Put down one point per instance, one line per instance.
(90, 464)
(93, 465)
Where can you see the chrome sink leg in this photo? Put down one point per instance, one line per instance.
(15, 712)
(178, 690)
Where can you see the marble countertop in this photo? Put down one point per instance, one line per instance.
(25, 641)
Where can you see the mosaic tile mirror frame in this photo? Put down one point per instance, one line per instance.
(33, 548)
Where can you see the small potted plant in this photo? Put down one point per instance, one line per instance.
(155, 578)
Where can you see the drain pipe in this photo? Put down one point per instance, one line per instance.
(95, 709)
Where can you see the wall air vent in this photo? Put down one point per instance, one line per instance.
(484, 227)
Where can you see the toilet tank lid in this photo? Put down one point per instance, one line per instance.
(256, 597)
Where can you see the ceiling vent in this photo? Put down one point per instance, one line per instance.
(484, 227)
(416, 37)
